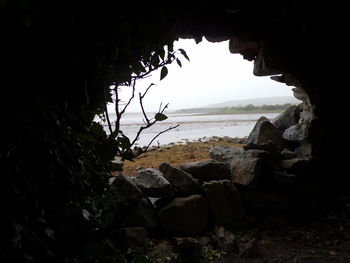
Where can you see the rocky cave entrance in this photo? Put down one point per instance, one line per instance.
(207, 83)
(302, 170)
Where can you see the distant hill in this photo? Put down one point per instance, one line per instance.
(256, 102)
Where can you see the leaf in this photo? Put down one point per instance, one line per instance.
(183, 52)
(178, 62)
(160, 117)
(86, 214)
(124, 142)
(163, 72)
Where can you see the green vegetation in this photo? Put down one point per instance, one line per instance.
(60, 60)
(252, 109)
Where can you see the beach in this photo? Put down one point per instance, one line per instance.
(191, 127)
(177, 154)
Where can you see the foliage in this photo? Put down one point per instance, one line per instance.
(124, 143)
(60, 58)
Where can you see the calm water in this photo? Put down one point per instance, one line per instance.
(191, 127)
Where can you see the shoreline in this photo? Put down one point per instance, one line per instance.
(177, 154)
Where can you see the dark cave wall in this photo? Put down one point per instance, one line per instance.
(304, 42)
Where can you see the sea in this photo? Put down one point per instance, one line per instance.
(191, 127)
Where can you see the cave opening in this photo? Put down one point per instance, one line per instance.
(214, 82)
(60, 61)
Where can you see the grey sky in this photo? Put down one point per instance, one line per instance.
(212, 76)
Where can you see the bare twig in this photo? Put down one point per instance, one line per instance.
(106, 114)
(131, 98)
(141, 103)
(170, 128)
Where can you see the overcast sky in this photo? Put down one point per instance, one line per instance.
(213, 75)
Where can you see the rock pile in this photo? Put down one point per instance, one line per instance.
(273, 177)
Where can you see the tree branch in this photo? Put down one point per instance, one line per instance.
(141, 103)
(106, 113)
(170, 128)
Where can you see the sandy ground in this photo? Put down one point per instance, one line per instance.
(177, 154)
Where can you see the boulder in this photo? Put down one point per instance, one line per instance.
(268, 147)
(246, 171)
(287, 154)
(183, 182)
(297, 165)
(296, 133)
(184, 216)
(251, 166)
(224, 201)
(287, 118)
(264, 131)
(304, 149)
(224, 154)
(153, 184)
(207, 170)
(124, 191)
(142, 214)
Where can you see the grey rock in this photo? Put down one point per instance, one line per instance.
(296, 133)
(184, 216)
(287, 154)
(304, 149)
(224, 201)
(142, 214)
(264, 131)
(251, 166)
(300, 94)
(183, 182)
(153, 184)
(298, 165)
(268, 147)
(262, 67)
(125, 192)
(287, 118)
(207, 170)
(224, 154)
(246, 171)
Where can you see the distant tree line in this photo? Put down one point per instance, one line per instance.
(251, 107)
